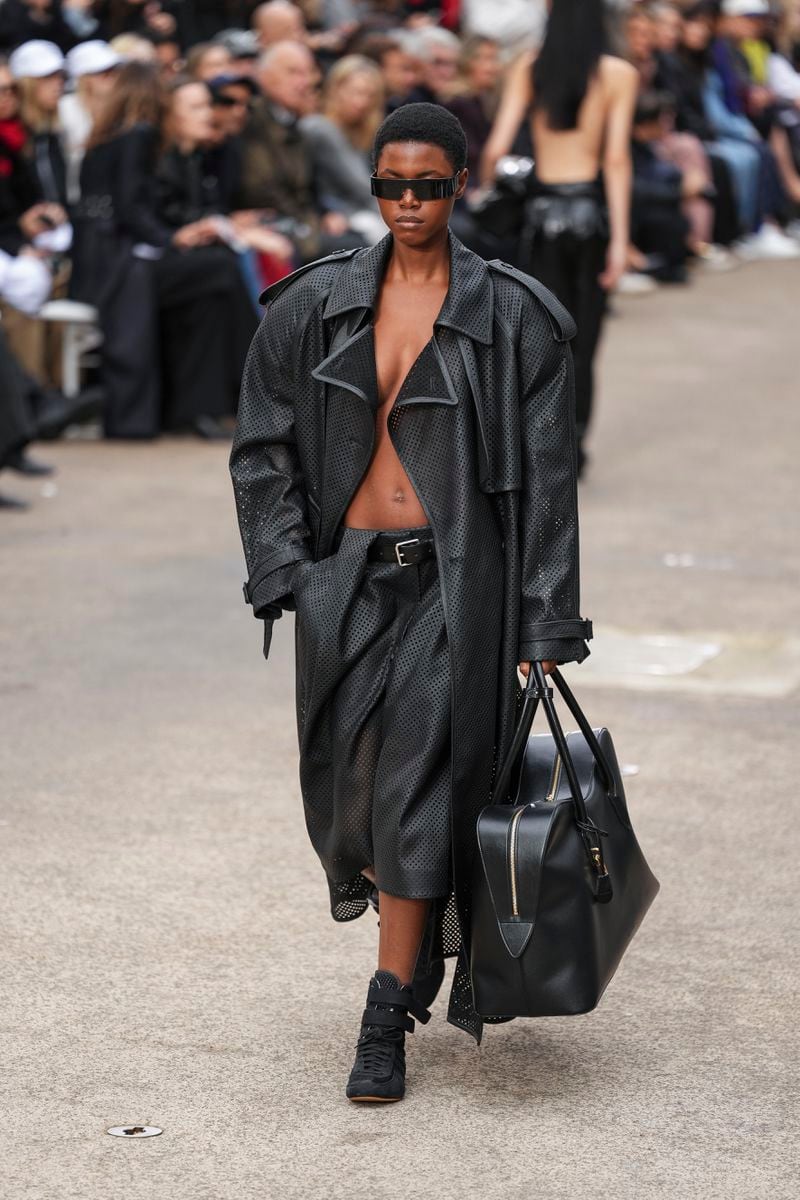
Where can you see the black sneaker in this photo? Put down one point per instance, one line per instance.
(379, 1072)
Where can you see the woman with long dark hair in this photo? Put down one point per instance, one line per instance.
(580, 103)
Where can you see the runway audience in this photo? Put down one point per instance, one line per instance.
(163, 162)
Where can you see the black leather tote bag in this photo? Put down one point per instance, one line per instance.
(561, 884)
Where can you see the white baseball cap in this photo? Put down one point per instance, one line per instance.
(89, 58)
(745, 8)
(35, 60)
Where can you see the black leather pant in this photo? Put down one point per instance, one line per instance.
(373, 716)
(565, 239)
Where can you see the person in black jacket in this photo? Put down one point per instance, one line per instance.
(201, 269)
(659, 228)
(175, 322)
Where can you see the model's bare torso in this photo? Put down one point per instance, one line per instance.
(574, 155)
(385, 497)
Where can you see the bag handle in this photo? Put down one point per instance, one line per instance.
(536, 689)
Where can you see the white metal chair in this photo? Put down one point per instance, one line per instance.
(81, 335)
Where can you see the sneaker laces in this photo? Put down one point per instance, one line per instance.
(375, 1051)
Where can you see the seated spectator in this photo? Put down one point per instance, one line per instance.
(277, 166)
(438, 51)
(166, 293)
(659, 230)
(744, 49)
(20, 209)
(168, 55)
(674, 76)
(737, 153)
(39, 68)
(34, 20)
(132, 48)
(91, 66)
(232, 97)
(401, 69)
(341, 138)
(761, 195)
(278, 21)
(34, 198)
(646, 31)
(475, 97)
(206, 60)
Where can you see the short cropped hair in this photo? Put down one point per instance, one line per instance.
(423, 122)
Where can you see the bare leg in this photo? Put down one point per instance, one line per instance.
(401, 928)
(369, 873)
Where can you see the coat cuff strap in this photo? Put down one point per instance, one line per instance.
(547, 630)
(287, 554)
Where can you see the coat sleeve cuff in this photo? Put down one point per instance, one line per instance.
(270, 585)
(561, 641)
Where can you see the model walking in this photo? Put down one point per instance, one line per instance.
(576, 233)
(405, 477)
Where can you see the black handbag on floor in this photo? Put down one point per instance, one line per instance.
(561, 884)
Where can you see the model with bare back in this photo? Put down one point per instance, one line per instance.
(395, 490)
(580, 103)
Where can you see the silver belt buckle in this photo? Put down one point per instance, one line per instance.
(398, 551)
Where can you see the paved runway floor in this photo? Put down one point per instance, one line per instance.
(167, 956)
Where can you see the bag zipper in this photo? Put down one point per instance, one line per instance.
(512, 860)
(555, 779)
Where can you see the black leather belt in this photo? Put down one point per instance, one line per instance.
(404, 550)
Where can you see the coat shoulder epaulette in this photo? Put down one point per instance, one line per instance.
(561, 322)
(274, 290)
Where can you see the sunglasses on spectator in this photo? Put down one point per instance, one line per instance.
(230, 101)
(423, 189)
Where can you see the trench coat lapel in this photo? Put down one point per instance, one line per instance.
(348, 371)
(350, 364)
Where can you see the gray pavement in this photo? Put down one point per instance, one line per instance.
(167, 956)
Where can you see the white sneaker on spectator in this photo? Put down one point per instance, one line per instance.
(716, 258)
(793, 230)
(769, 242)
(634, 283)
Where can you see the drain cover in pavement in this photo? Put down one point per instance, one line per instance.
(134, 1130)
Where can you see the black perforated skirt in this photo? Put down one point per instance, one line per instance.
(373, 715)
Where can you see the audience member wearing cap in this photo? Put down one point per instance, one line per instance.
(21, 206)
(243, 47)
(38, 68)
(90, 66)
(232, 97)
(22, 21)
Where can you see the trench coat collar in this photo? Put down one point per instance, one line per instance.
(468, 306)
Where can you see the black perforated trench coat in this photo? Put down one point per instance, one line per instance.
(484, 426)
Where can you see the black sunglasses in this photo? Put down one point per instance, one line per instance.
(423, 189)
